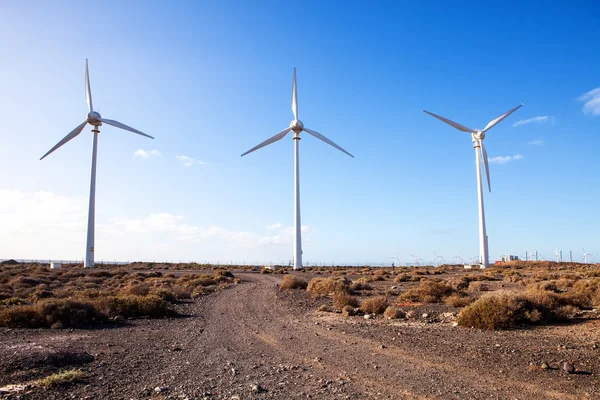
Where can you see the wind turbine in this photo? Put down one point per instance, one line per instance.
(95, 120)
(416, 258)
(297, 127)
(396, 258)
(585, 255)
(477, 137)
(436, 258)
(458, 257)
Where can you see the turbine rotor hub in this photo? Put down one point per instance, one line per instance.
(297, 126)
(93, 118)
(478, 135)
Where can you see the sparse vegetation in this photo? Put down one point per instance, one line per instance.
(393, 312)
(374, 305)
(63, 378)
(319, 287)
(291, 282)
(428, 291)
(36, 297)
(342, 299)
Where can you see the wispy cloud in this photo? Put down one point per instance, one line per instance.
(536, 142)
(505, 159)
(537, 120)
(146, 154)
(189, 161)
(592, 102)
(276, 225)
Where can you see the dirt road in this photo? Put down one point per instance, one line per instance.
(254, 341)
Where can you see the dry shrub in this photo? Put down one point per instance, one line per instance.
(506, 310)
(428, 292)
(139, 289)
(374, 305)
(55, 313)
(134, 306)
(589, 288)
(356, 286)
(479, 287)
(342, 299)
(393, 312)
(326, 286)
(291, 282)
(348, 311)
(411, 314)
(457, 300)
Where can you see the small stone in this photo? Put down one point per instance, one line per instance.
(568, 367)
(394, 287)
(367, 316)
(161, 389)
(545, 365)
(381, 346)
(256, 388)
(425, 315)
(119, 318)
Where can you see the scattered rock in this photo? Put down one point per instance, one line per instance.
(425, 315)
(568, 367)
(545, 365)
(411, 314)
(367, 316)
(161, 389)
(256, 388)
(119, 318)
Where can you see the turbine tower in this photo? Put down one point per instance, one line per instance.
(585, 256)
(297, 127)
(477, 137)
(93, 118)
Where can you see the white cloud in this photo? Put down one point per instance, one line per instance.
(189, 161)
(505, 159)
(592, 102)
(146, 154)
(536, 142)
(539, 120)
(276, 225)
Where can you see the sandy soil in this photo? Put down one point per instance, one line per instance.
(253, 341)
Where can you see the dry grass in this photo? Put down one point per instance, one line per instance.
(32, 296)
(393, 312)
(457, 300)
(63, 378)
(319, 287)
(428, 291)
(291, 282)
(342, 299)
(374, 305)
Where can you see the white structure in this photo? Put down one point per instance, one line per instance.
(55, 265)
(94, 119)
(297, 127)
(585, 256)
(477, 137)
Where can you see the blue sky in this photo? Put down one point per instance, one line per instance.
(210, 80)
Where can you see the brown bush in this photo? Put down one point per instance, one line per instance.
(356, 286)
(374, 305)
(326, 286)
(428, 291)
(51, 314)
(292, 282)
(134, 306)
(506, 310)
(393, 312)
(348, 311)
(341, 299)
(457, 300)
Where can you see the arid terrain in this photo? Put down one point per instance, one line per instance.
(251, 339)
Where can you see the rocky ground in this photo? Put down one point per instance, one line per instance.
(253, 341)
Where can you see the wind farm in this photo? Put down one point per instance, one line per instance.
(202, 279)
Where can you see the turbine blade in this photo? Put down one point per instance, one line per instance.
(449, 122)
(500, 118)
(270, 140)
(329, 142)
(88, 90)
(295, 97)
(123, 126)
(485, 163)
(70, 136)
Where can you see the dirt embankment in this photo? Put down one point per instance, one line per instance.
(254, 341)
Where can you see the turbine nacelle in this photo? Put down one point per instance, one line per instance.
(94, 118)
(296, 126)
(477, 136)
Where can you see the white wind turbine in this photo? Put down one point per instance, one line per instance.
(93, 118)
(585, 256)
(416, 260)
(477, 137)
(297, 127)
(436, 258)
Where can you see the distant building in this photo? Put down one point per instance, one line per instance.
(510, 258)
